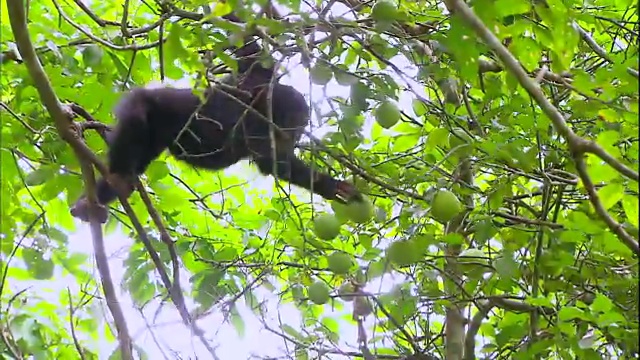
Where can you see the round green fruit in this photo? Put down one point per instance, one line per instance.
(339, 263)
(321, 74)
(360, 211)
(445, 206)
(341, 211)
(387, 114)
(326, 226)
(384, 10)
(318, 293)
(402, 253)
(346, 292)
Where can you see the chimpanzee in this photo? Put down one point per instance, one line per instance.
(230, 125)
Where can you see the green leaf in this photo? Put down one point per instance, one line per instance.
(119, 64)
(419, 107)
(237, 321)
(40, 175)
(608, 140)
(600, 171)
(461, 42)
(601, 304)
(252, 301)
(74, 262)
(587, 342)
(207, 290)
(360, 92)
(437, 137)
(220, 9)
(484, 230)
(512, 7)
(506, 266)
(630, 206)
(568, 313)
(344, 77)
(610, 195)
(39, 267)
(92, 55)
(157, 171)
(527, 51)
(293, 333)
(453, 239)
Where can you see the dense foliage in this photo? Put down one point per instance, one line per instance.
(531, 253)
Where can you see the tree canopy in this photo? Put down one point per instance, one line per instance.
(497, 143)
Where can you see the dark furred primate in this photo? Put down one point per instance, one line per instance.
(213, 135)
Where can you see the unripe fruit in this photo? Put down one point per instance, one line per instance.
(346, 292)
(384, 10)
(402, 253)
(318, 293)
(339, 262)
(360, 211)
(326, 226)
(445, 206)
(387, 114)
(341, 211)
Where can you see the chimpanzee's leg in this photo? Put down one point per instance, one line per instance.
(130, 152)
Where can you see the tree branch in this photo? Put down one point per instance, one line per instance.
(577, 145)
(63, 124)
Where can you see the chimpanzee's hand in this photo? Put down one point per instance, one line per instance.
(345, 192)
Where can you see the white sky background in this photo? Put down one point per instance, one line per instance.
(173, 335)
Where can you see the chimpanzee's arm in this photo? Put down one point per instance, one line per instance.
(293, 170)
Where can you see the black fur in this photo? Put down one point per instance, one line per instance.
(231, 125)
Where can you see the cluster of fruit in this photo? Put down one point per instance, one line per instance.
(339, 263)
(445, 206)
(327, 226)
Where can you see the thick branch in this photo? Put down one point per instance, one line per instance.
(62, 122)
(470, 338)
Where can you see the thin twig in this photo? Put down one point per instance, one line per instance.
(100, 40)
(76, 342)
